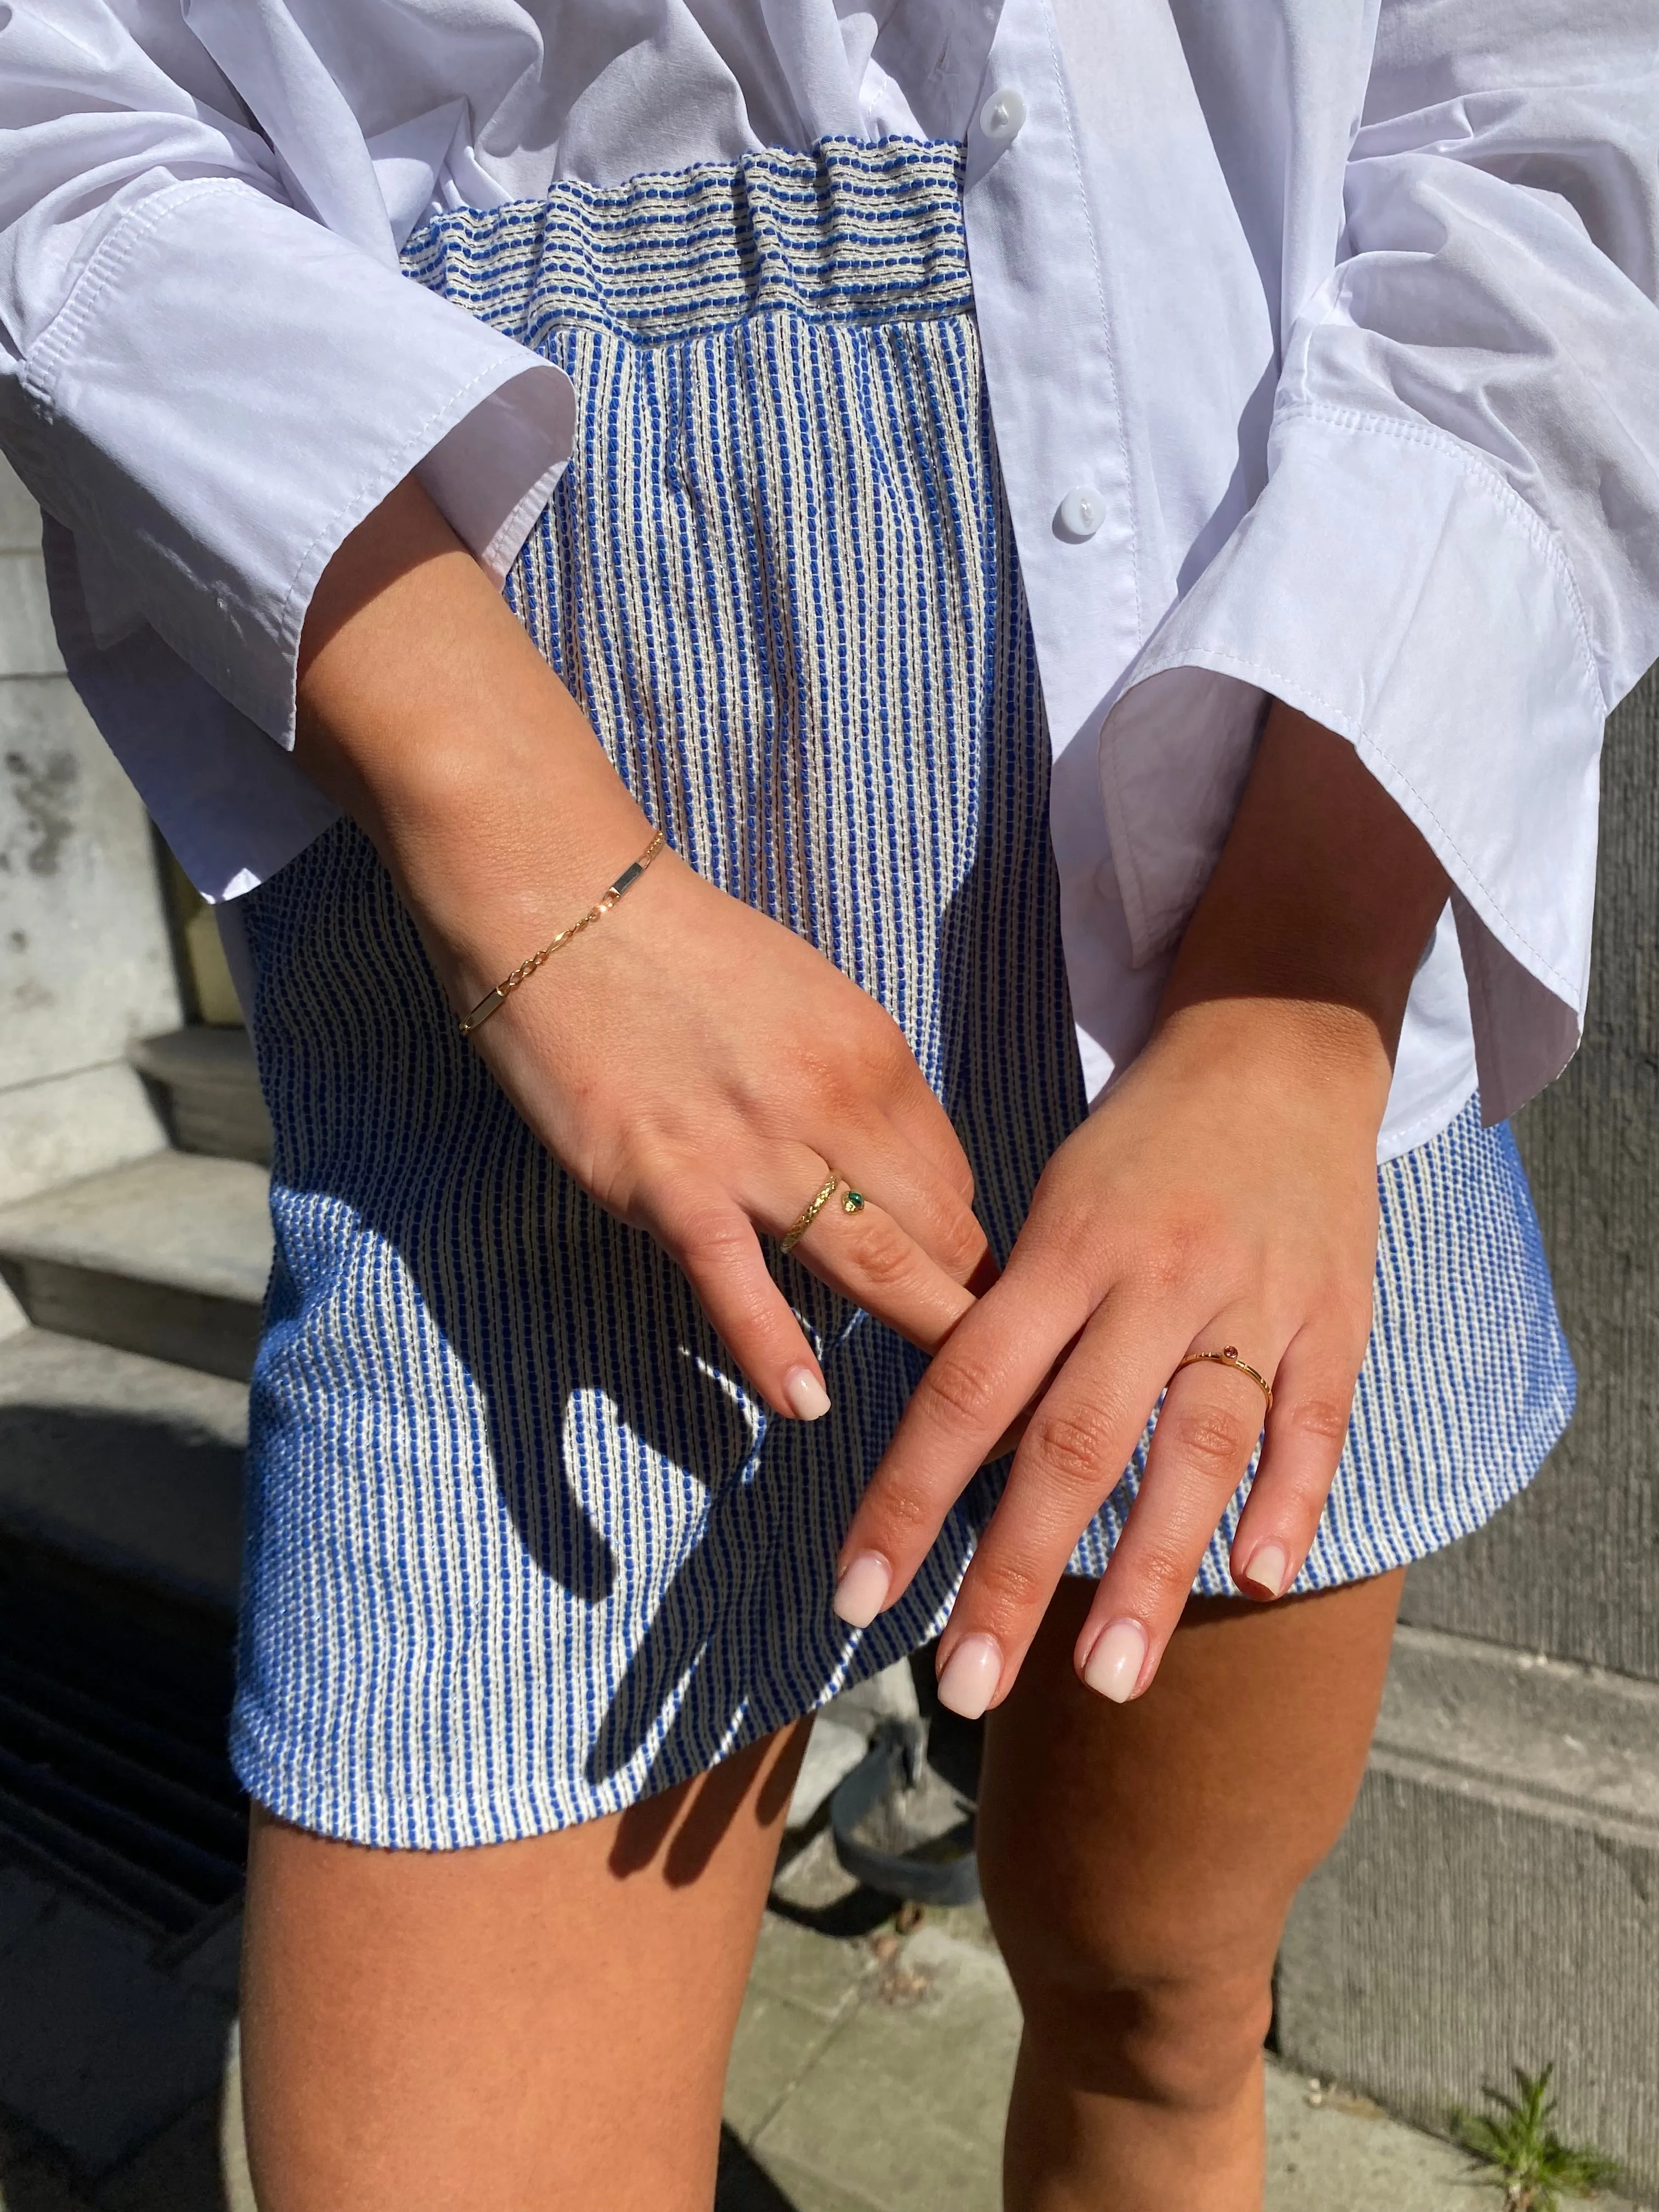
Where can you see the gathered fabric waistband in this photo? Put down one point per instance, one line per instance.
(849, 231)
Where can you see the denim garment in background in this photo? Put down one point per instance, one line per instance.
(522, 1546)
(1330, 324)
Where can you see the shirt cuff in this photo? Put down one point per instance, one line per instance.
(1393, 588)
(230, 389)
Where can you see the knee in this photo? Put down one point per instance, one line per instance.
(1160, 2015)
(1189, 2043)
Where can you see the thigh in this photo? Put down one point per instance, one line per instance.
(522, 2027)
(1141, 1841)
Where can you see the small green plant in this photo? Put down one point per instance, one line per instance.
(1517, 2146)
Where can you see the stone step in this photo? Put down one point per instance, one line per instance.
(1494, 1902)
(207, 1088)
(129, 1466)
(167, 1257)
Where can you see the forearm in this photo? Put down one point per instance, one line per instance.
(1319, 909)
(427, 713)
(694, 1065)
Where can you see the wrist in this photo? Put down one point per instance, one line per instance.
(429, 716)
(495, 869)
(1322, 902)
(1282, 1048)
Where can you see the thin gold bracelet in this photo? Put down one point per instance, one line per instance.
(498, 998)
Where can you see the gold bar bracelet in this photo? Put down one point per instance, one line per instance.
(498, 998)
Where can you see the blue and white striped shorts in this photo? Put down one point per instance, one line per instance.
(522, 1546)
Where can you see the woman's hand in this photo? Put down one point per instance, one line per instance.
(700, 1070)
(1224, 1194)
(697, 1067)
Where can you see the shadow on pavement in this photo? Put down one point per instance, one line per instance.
(743, 2186)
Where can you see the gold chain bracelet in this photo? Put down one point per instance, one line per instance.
(498, 998)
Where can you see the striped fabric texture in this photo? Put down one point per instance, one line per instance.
(522, 1546)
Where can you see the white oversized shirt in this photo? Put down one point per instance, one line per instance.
(1319, 335)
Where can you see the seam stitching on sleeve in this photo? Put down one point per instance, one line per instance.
(46, 356)
(1484, 476)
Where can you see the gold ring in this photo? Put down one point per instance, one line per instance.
(810, 1213)
(1228, 1357)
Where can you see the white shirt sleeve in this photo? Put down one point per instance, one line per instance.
(205, 381)
(1455, 562)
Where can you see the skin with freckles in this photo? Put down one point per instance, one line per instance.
(543, 2026)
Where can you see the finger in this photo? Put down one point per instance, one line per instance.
(879, 1160)
(881, 1269)
(994, 1362)
(1307, 1429)
(915, 1108)
(862, 1252)
(1208, 1427)
(715, 1244)
(1080, 1438)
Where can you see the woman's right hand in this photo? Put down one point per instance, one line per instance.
(698, 1068)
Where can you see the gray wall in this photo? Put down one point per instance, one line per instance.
(1495, 1900)
(86, 964)
(1572, 1568)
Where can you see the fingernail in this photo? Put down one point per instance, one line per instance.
(1269, 1569)
(808, 1399)
(970, 1677)
(1113, 1667)
(862, 1590)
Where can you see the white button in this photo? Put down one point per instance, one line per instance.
(1081, 513)
(1003, 116)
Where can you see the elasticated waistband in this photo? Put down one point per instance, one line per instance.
(849, 231)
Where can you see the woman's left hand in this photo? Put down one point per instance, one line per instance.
(1222, 1195)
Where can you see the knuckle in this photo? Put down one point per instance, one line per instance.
(1007, 1589)
(828, 1077)
(959, 1242)
(1164, 1577)
(1077, 1446)
(901, 1514)
(960, 1395)
(707, 1234)
(884, 1254)
(1173, 1257)
(1322, 1419)
(1214, 1436)
(1356, 1319)
(960, 1174)
(882, 1049)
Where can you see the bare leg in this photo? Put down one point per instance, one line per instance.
(1139, 1861)
(520, 2028)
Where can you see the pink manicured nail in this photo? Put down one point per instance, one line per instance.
(1269, 1569)
(862, 1590)
(1113, 1667)
(970, 1677)
(808, 1399)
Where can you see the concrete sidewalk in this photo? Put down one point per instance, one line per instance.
(870, 2074)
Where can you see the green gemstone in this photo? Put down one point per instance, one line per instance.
(854, 1202)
